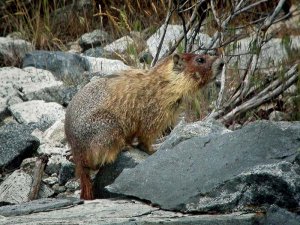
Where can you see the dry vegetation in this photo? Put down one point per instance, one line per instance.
(52, 24)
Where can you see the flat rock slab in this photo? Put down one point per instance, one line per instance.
(112, 211)
(40, 205)
(251, 166)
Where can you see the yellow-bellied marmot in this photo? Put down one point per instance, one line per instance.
(107, 114)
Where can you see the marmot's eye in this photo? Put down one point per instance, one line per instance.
(200, 60)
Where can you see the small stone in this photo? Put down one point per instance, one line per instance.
(58, 189)
(120, 45)
(278, 116)
(56, 134)
(54, 164)
(145, 57)
(28, 164)
(94, 52)
(67, 171)
(72, 185)
(51, 180)
(93, 39)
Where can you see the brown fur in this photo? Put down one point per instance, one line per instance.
(107, 114)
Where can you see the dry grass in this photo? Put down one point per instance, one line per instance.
(52, 24)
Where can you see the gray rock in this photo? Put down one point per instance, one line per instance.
(36, 206)
(37, 110)
(145, 57)
(65, 66)
(279, 216)
(50, 180)
(250, 166)
(66, 172)
(61, 94)
(112, 212)
(13, 50)
(28, 164)
(15, 189)
(23, 82)
(172, 34)
(58, 189)
(105, 66)
(120, 45)
(185, 131)
(54, 164)
(94, 52)
(273, 52)
(93, 39)
(202, 42)
(26, 80)
(72, 185)
(109, 173)
(17, 143)
(278, 116)
(53, 141)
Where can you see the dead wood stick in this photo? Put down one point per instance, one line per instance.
(40, 164)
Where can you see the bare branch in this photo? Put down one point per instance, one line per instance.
(170, 12)
(37, 176)
(265, 95)
(189, 25)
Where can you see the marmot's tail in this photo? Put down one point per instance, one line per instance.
(85, 183)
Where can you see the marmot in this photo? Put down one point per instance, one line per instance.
(108, 113)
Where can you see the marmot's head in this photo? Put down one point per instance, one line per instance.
(201, 68)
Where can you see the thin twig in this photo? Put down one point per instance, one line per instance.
(170, 12)
(264, 96)
(189, 25)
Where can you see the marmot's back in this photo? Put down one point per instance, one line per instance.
(78, 114)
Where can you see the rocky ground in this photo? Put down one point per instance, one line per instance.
(203, 173)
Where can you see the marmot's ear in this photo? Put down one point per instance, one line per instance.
(176, 58)
(178, 63)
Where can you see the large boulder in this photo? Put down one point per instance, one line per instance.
(109, 173)
(16, 143)
(249, 167)
(65, 66)
(172, 34)
(37, 110)
(273, 52)
(23, 82)
(16, 188)
(184, 131)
